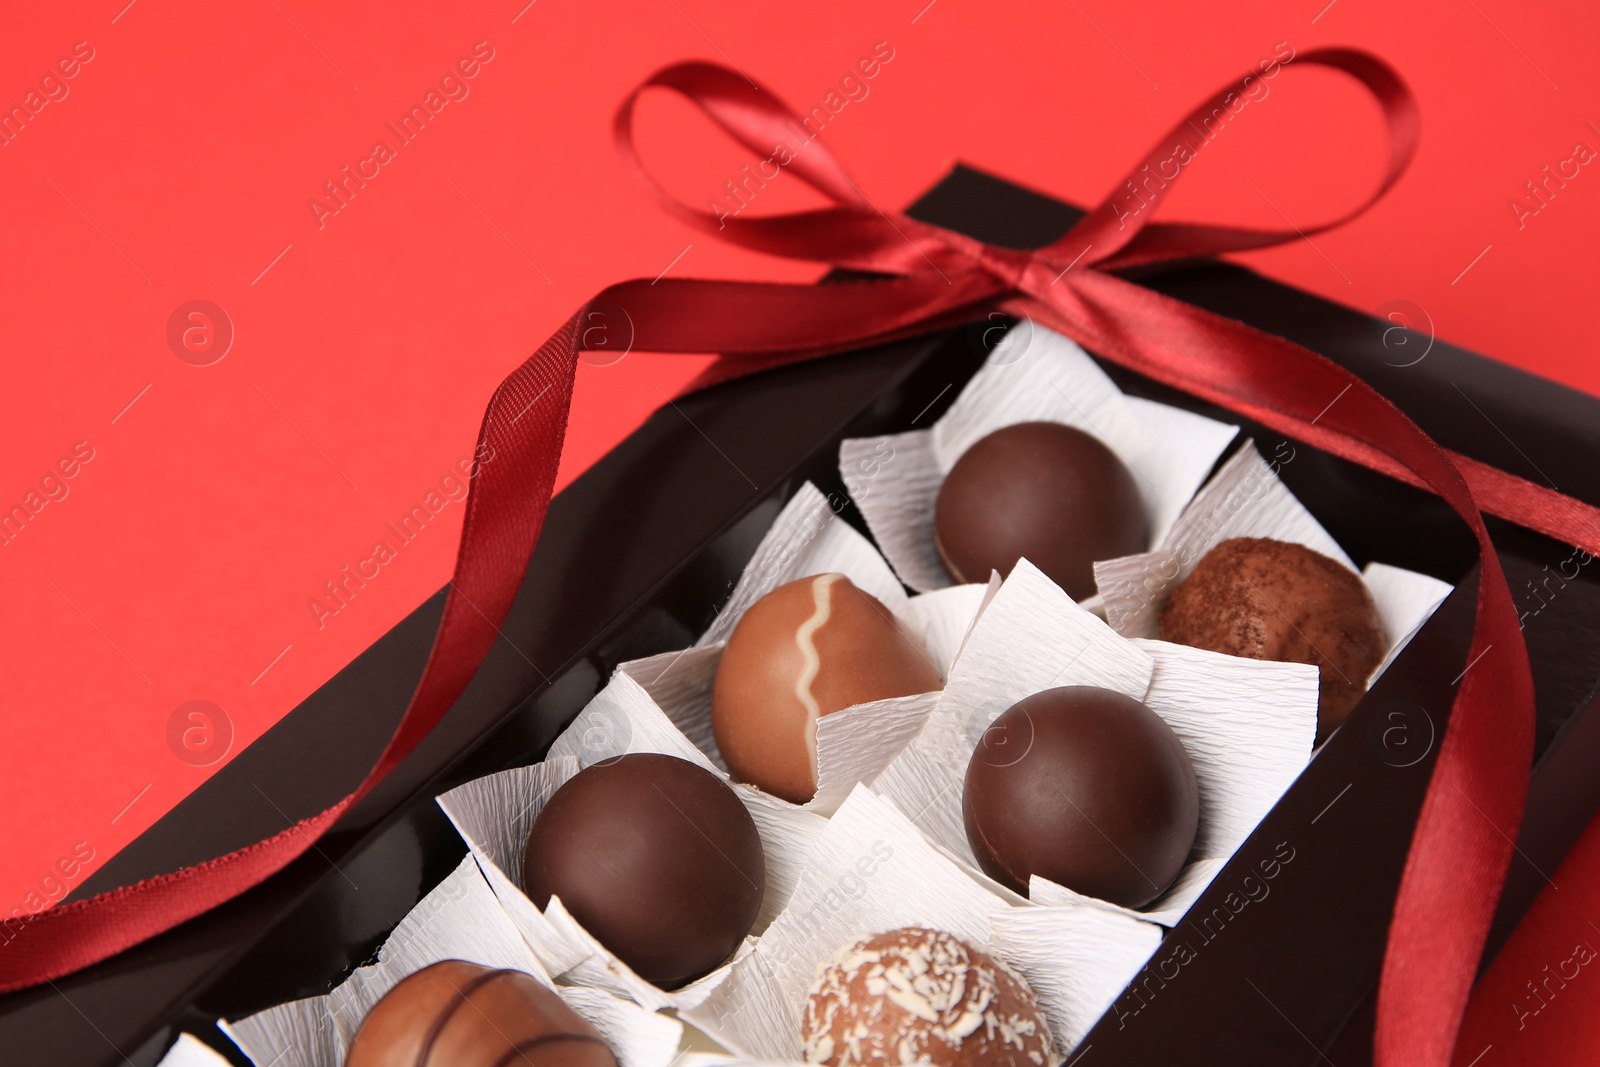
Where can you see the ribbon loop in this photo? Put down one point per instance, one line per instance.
(1120, 230)
(851, 233)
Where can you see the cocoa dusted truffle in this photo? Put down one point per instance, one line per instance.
(1043, 491)
(1086, 787)
(805, 650)
(458, 1014)
(926, 997)
(654, 856)
(1266, 599)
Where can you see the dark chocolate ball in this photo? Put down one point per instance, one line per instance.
(1265, 599)
(1043, 491)
(805, 650)
(458, 1014)
(1086, 787)
(654, 856)
(926, 997)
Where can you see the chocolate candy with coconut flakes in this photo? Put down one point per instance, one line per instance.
(807, 649)
(459, 1014)
(922, 996)
(1276, 600)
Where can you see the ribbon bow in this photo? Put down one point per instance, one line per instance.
(935, 279)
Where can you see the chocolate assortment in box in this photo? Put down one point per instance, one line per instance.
(851, 825)
(976, 697)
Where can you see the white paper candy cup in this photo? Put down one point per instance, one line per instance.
(1034, 375)
(1246, 499)
(870, 872)
(1405, 601)
(663, 704)
(1248, 725)
(1195, 878)
(460, 919)
(806, 538)
(629, 713)
(1105, 955)
(493, 815)
(1030, 637)
(190, 1051)
(855, 744)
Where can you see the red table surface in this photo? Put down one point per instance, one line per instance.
(186, 155)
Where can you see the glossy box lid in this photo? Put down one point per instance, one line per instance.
(640, 551)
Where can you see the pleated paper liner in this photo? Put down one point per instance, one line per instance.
(460, 919)
(1246, 499)
(1033, 375)
(855, 744)
(1248, 725)
(493, 815)
(190, 1051)
(871, 871)
(663, 704)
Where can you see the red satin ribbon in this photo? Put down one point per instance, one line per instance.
(939, 278)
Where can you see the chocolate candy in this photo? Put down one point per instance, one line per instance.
(1266, 599)
(922, 996)
(1086, 787)
(1043, 491)
(805, 650)
(654, 856)
(458, 1014)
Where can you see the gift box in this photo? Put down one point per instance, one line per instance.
(1276, 961)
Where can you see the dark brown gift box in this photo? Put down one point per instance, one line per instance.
(640, 551)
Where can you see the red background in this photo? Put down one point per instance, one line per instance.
(180, 164)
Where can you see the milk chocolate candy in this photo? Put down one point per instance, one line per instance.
(459, 1014)
(805, 650)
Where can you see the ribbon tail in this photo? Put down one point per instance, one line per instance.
(1531, 506)
(519, 446)
(516, 460)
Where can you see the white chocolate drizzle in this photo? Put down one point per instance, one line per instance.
(811, 662)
